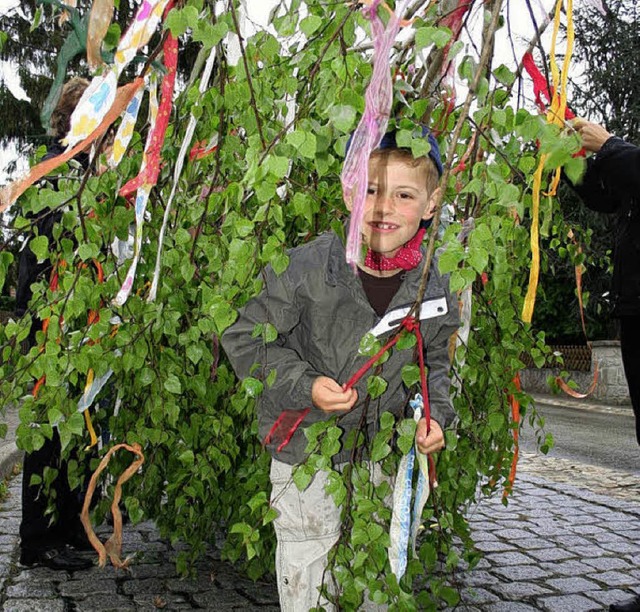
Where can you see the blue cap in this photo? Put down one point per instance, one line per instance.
(389, 142)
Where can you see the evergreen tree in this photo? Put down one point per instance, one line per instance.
(608, 47)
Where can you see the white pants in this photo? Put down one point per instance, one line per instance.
(307, 527)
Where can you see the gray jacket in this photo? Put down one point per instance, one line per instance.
(321, 313)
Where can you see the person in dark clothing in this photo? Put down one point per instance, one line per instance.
(45, 540)
(611, 184)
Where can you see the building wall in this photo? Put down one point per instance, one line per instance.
(611, 386)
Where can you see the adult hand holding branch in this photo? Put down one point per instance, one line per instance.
(593, 134)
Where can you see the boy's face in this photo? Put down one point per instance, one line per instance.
(397, 200)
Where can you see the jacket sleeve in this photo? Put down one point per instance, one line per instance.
(251, 356)
(613, 174)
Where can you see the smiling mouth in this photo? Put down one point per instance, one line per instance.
(382, 226)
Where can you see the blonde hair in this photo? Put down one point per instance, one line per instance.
(404, 156)
(61, 116)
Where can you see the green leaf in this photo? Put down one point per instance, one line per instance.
(405, 443)
(310, 24)
(194, 353)
(574, 169)
(504, 75)
(88, 250)
(407, 341)
(54, 415)
(369, 345)
(187, 457)
(450, 595)
(304, 142)
(269, 333)
(270, 515)
(146, 376)
(40, 247)
(428, 35)
(209, 34)
(410, 374)
(301, 477)
(243, 227)
(343, 117)
(278, 166)
(380, 449)
(496, 421)
(6, 258)
(75, 424)
(134, 509)
(478, 258)
(221, 312)
(252, 386)
(172, 384)
(376, 386)
(451, 439)
(451, 258)
(180, 20)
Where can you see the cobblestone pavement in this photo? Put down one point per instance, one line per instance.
(555, 547)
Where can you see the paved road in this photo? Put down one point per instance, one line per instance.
(601, 436)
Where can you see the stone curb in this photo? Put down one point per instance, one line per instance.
(576, 404)
(10, 456)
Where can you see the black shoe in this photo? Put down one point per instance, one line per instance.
(628, 605)
(79, 541)
(55, 559)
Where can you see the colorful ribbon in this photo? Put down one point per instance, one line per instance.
(372, 126)
(113, 546)
(405, 524)
(98, 97)
(556, 114)
(515, 418)
(150, 169)
(125, 130)
(12, 191)
(191, 127)
(74, 44)
(596, 369)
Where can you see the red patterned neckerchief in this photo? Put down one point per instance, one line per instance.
(407, 258)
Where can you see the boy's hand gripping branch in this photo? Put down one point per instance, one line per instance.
(429, 434)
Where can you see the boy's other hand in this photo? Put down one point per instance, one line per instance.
(432, 442)
(330, 396)
(593, 135)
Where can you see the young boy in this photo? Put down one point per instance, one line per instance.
(321, 310)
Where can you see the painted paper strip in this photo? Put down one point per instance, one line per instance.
(12, 191)
(99, 95)
(204, 83)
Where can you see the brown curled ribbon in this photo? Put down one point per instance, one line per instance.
(113, 546)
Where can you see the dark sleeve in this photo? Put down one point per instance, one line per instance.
(612, 175)
(27, 275)
(29, 270)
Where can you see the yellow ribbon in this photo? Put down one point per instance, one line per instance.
(555, 115)
(87, 416)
